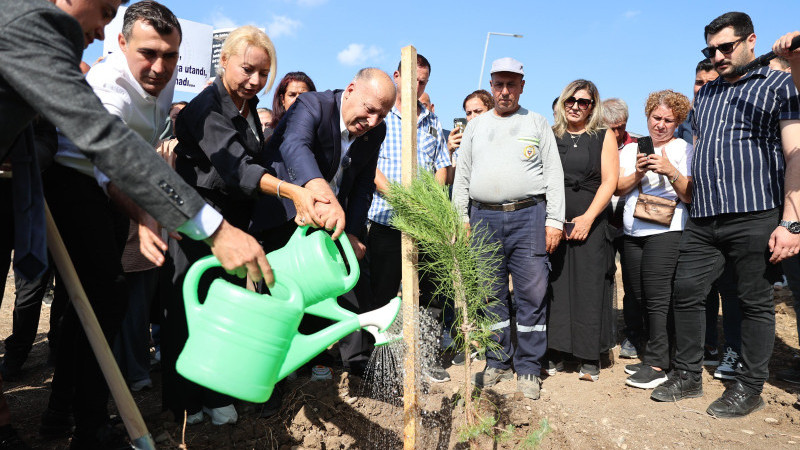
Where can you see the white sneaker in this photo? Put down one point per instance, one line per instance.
(197, 417)
(222, 415)
(137, 386)
(727, 367)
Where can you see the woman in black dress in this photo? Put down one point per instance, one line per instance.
(580, 321)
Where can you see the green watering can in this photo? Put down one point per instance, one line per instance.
(241, 343)
(313, 260)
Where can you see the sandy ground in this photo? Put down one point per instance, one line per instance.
(340, 414)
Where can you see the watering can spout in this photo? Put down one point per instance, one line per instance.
(378, 321)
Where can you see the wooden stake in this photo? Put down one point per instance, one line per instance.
(408, 113)
(134, 424)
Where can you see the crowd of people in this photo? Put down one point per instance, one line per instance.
(704, 207)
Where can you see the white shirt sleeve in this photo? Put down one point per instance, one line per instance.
(203, 224)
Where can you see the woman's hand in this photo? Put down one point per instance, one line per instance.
(305, 201)
(582, 226)
(641, 164)
(454, 140)
(660, 164)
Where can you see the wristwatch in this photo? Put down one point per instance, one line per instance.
(793, 227)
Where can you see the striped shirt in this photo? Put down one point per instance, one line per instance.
(432, 155)
(738, 164)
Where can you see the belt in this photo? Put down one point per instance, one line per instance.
(513, 206)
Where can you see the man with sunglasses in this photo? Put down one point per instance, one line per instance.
(745, 202)
(524, 216)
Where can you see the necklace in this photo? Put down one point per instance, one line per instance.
(244, 105)
(575, 141)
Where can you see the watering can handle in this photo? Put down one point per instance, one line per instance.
(349, 254)
(192, 279)
(352, 261)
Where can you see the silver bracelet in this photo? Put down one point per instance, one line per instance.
(278, 189)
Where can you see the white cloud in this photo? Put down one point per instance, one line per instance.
(358, 54)
(631, 14)
(282, 26)
(220, 20)
(311, 3)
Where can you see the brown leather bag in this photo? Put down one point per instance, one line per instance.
(654, 209)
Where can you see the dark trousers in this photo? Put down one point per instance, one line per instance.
(634, 312)
(94, 234)
(648, 268)
(521, 235)
(385, 271)
(707, 244)
(791, 268)
(724, 287)
(6, 229)
(27, 310)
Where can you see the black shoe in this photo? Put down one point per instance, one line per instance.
(356, 368)
(646, 378)
(458, 358)
(56, 424)
(10, 440)
(437, 374)
(10, 371)
(106, 438)
(631, 369)
(736, 401)
(680, 384)
(789, 374)
(710, 356)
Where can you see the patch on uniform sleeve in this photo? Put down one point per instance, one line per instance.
(531, 148)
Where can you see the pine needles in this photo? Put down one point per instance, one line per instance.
(461, 264)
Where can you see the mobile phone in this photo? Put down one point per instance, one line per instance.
(646, 145)
(460, 123)
(568, 227)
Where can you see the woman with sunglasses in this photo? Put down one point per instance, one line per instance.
(650, 249)
(580, 322)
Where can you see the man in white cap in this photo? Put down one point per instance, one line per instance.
(524, 216)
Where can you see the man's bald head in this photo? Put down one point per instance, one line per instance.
(367, 100)
(425, 99)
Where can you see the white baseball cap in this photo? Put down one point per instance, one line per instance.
(507, 65)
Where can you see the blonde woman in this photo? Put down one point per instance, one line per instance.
(581, 310)
(219, 138)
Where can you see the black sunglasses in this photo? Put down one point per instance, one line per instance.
(725, 48)
(583, 103)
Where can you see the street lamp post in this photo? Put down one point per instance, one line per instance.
(486, 47)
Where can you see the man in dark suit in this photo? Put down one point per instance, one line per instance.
(41, 45)
(329, 142)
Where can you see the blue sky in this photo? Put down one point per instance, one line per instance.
(628, 48)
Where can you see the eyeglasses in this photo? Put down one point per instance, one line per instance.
(583, 103)
(725, 48)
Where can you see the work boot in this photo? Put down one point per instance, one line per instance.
(491, 376)
(680, 384)
(530, 385)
